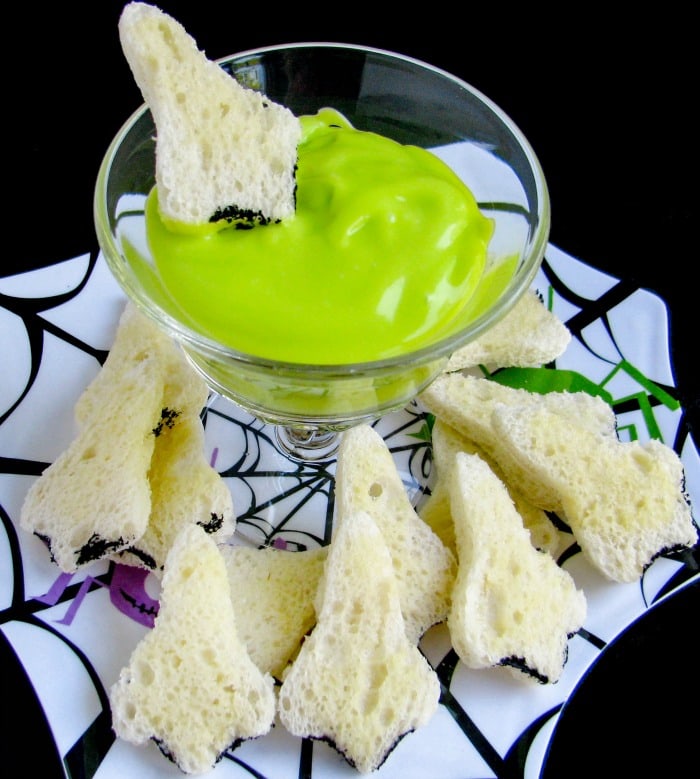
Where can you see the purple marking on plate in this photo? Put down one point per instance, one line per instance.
(51, 597)
(127, 592)
(69, 616)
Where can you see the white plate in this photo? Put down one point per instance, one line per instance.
(73, 634)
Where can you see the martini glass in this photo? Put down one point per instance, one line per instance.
(308, 405)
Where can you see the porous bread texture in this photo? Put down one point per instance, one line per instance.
(367, 479)
(184, 486)
(185, 489)
(190, 684)
(436, 511)
(512, 605)
(95, 498)
(137, 336)
(274, 592)
(136, 470)
(624, 501)
(467, 403)
(358, 681)
(223, 151)
(528, 336)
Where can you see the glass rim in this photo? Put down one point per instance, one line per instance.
(439, 349)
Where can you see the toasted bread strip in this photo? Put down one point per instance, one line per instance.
(624, 501)
(358, 681)
(512, 605)
(528, 336)
(223, 151)
(190, 684)
(137, 337)
(467, 403)
(447, 442)
(367, 480)
(185, 489)
(95, 498)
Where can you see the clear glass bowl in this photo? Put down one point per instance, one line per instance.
(397, 96)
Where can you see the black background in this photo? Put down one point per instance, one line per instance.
(606, 101)
(607, 104)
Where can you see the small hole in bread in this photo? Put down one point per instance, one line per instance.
(388, 715)
(129, 711)
(209, 657)
(375, 490)
(254, 697)
(143, 673)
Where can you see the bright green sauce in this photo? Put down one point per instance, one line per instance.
(386, 248)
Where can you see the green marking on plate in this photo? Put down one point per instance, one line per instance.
(426, 429)
(651, 388)
(642, 400)
(544, 380)
(630, 429)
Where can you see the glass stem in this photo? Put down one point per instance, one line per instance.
(307, 444)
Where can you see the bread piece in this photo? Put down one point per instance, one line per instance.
(185, 489)
(624, 501)
(511, 604)
(528, 336)
(128, 480)
(273, 591)
(223, 151)
(358, 681)
(467, 404)
(95, 498)
(137, 336)
(436, 512)
(367, 479)
(190, 684)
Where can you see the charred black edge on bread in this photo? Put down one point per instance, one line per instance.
(147, 559)
(47, 541)
(520, 664)
(241, 218)
(95, 548)
(214, 524)
(167, 752)
(328, 740)
(98, 547)
(247, 218)
(167, 419)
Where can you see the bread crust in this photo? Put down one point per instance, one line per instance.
(224, 153)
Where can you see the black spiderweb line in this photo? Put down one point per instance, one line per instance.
(597, 310)
(29, 310)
